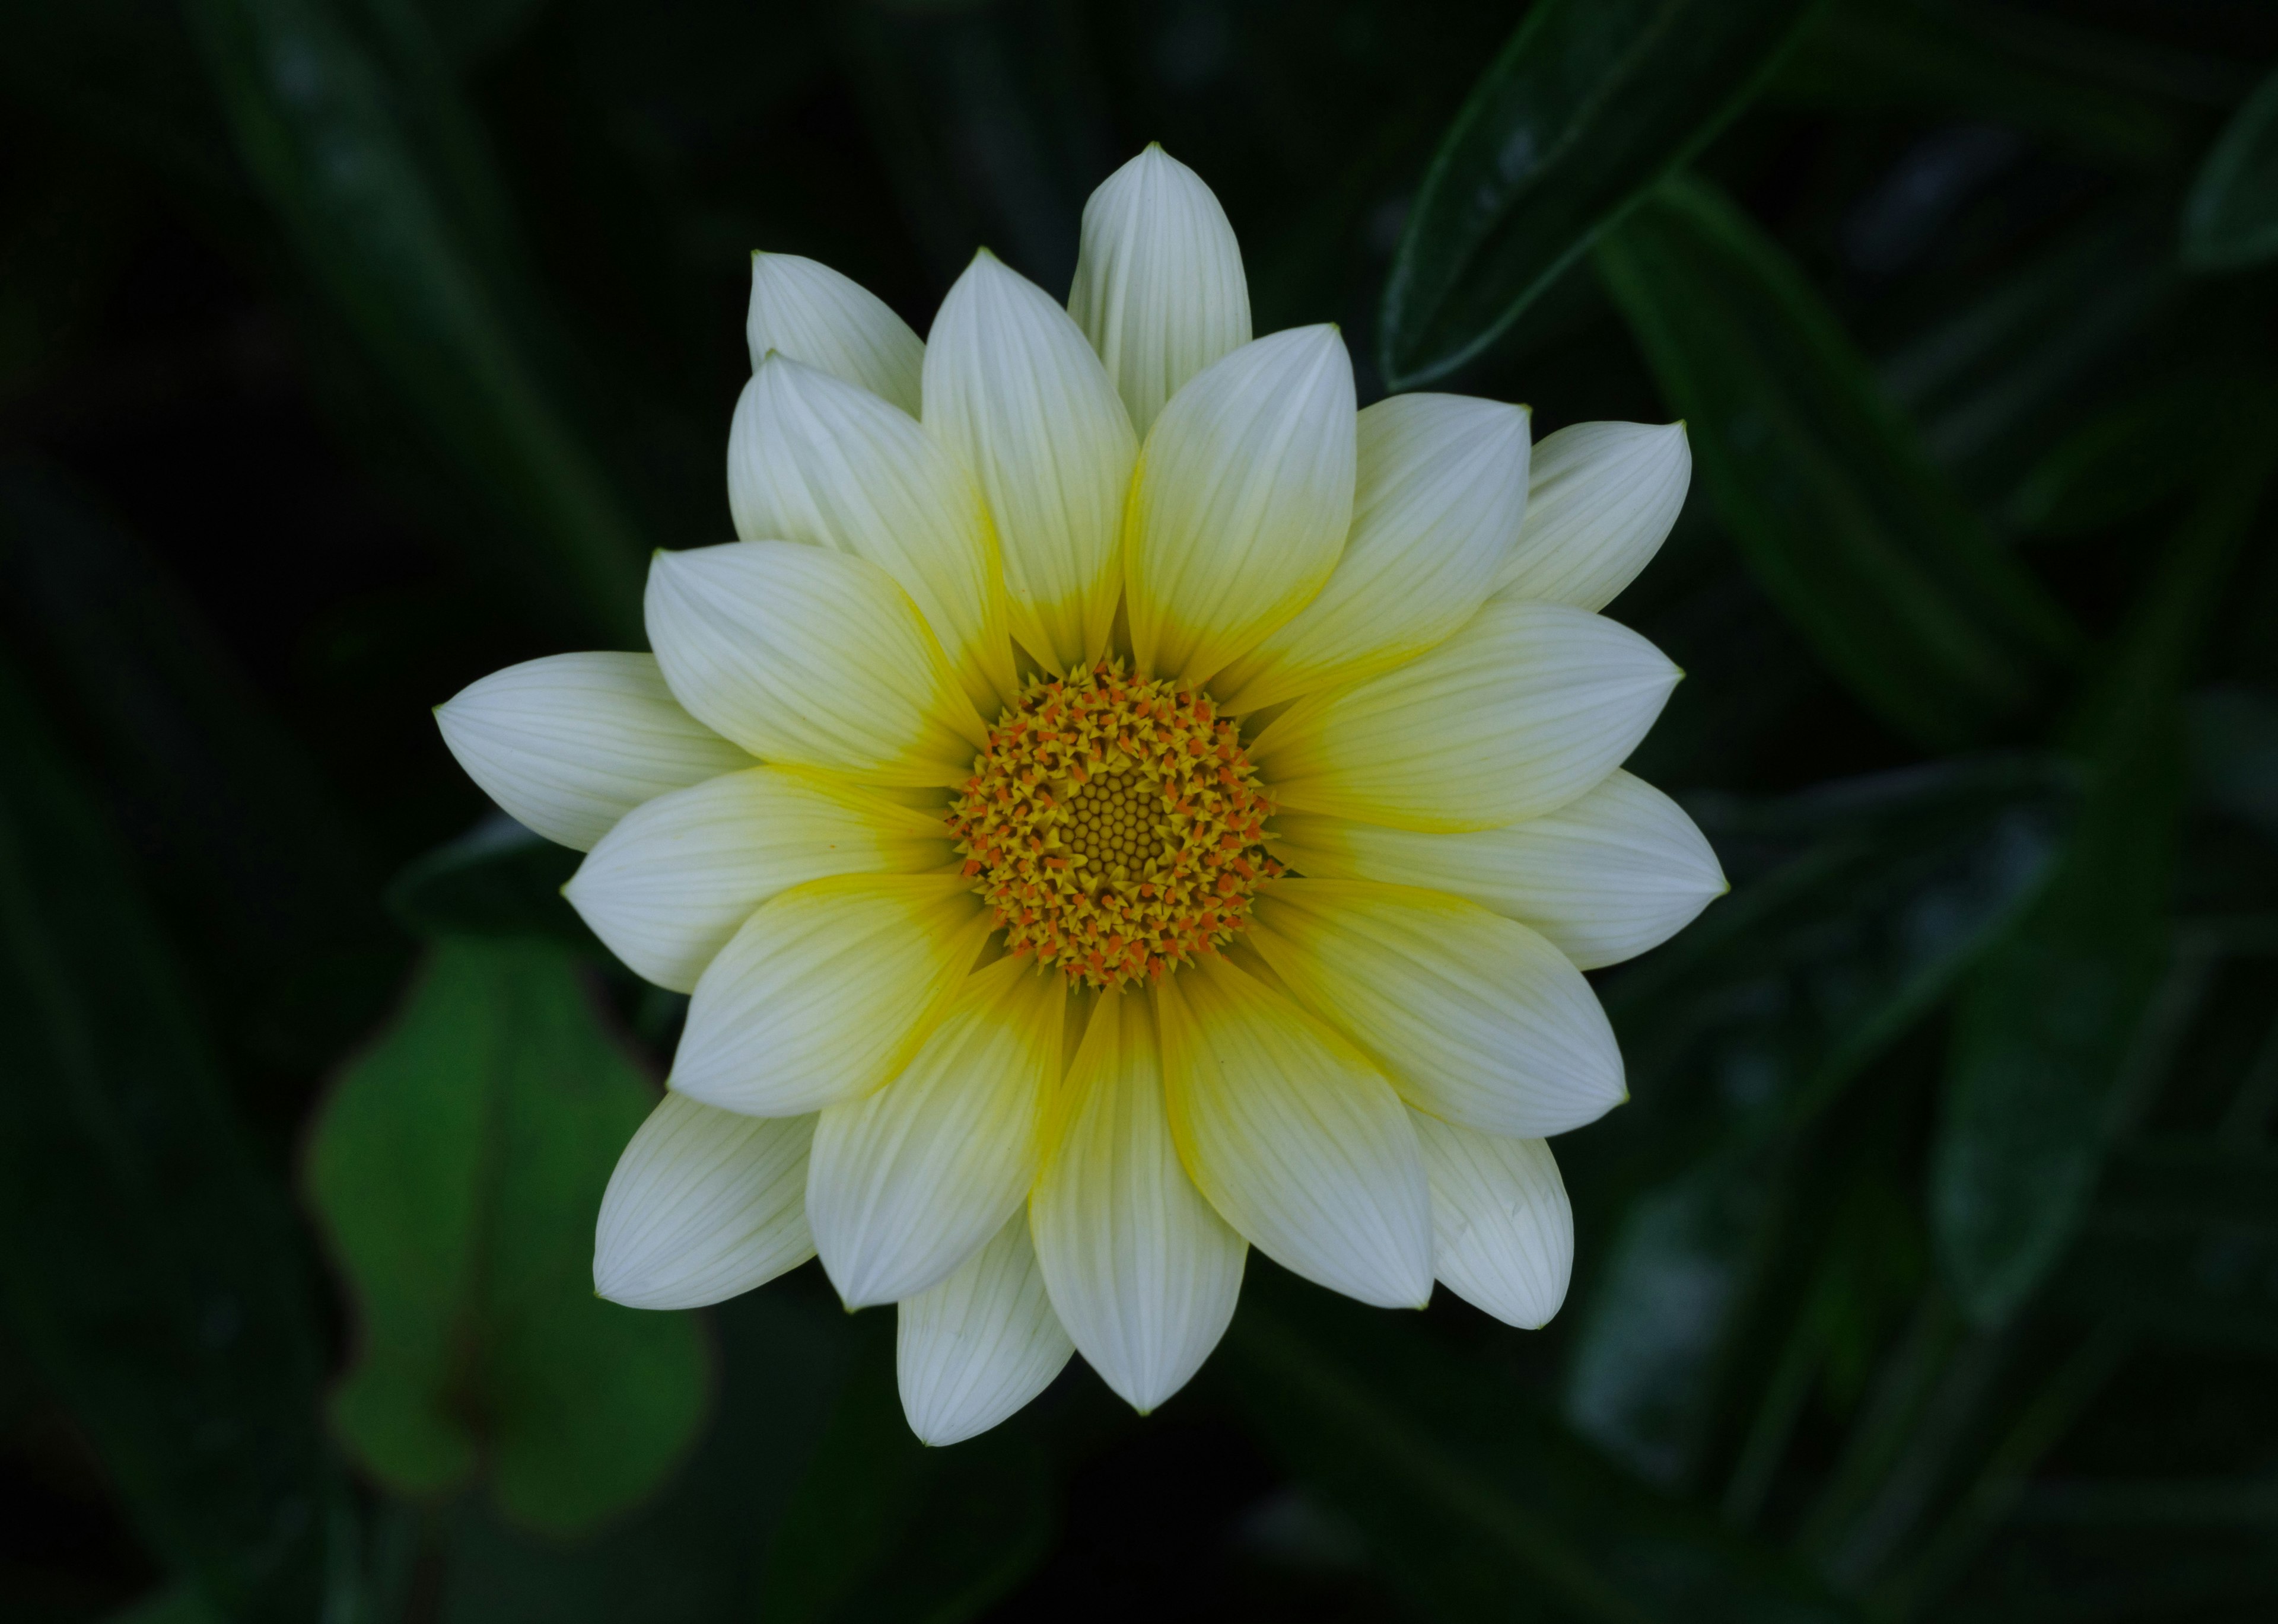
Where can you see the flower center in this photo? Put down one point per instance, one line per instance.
(1115, 825)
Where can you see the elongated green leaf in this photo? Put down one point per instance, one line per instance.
(1592, 102)
(2182, 1243)
(2230, 220)
(146, 1266)
(457, 1172)
(380, 187)
(1476, 1503)
(2045, 1024)
(2126, 461)
(1856, 907)
(1874, 558)
(1863, 54)
(885, 1530)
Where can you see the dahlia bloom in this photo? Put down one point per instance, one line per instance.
(1116, 805)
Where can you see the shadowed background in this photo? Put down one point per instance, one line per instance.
(350, 350)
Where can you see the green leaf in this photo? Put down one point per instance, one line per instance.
(2182, 1243)
(1592, 102)
(457, 1172)
(377, 175)
(692, 1555)
(2045, 1024)
(496, 880)
(1474, 1502)
(1890, 55)
(1874, 558)
(2234, 741)
(2124, 462)
(147, 1266)
(885, 1530)
(1856, 908)
(2230, 220)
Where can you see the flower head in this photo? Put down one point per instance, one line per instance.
(1116, 805)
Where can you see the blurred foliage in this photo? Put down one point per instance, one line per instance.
(352, 349)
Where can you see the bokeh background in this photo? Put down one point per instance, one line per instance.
(350, 350)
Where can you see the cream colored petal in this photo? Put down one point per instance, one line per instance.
(1014, 390)
(1473, 1016)
(569, 743)
(1527, 707)
(812, 458)
(972, 1349)
(812, 657)
(907, 1184)
(704, 1205)
(827, 991)
(1159, 288)
(1241, 503)
(1440, 493)
(1294, 1137)
(1142, 1270)
(668, 886)
(1604, 877)
(1604, 497)
(1502, 1232)
(807, 312)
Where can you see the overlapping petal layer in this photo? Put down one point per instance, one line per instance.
(1143, 1272)
(1241, 502)
(814, 459)
(569, 743)
(1502, 1231)
(1159, 288)
(1441, 490)
(703, 1205)
(1013, 389)
(1604, 496)
(1524, 710)
(974, 1349)
(810, 313)
(812, 658)
(906, 1183)
(1608, 875)
(1299, 1142)
(668, 887)
(826, 990)
(1473, 1016)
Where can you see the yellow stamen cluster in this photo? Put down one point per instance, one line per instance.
(1115, 825)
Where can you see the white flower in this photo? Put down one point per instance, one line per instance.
(1090, 855)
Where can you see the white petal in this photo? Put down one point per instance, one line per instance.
(704, 1205)
(1440, 493)
(907, 1184)
(1014, 390)
(1603, 878)
(811, 658)
(668, 886)
(1294, 1137)
(1159, 288)
(1604, 497)
(1526, 708)
(827, 991)
(812, 458)
(811, 313)
(1142, 1270)
(976, 1348)
(571, 744)
(1473, 1016)
(1503, 1231)
(1241, 502)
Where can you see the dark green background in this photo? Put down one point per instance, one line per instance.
(350, 350)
